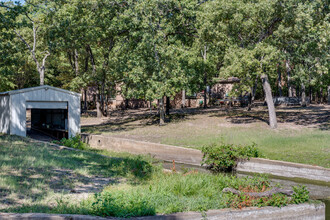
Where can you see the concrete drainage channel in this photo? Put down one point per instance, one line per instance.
(317, 179)
(194, 157)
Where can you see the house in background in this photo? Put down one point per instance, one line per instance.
(222, 87)
(118, 101)
(219, 90)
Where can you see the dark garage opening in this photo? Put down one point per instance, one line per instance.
(50, 122)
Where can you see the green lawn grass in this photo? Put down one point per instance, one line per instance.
(33, 173)
(35, 177)
(308, 146)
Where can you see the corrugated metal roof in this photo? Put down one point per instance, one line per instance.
(37, 88)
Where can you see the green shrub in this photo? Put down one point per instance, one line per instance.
(278, 200)
(74, 142)
(300, 194)
(224, 157)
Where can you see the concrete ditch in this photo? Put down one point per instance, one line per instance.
(285, 169)
(42, 216)
(301, 212)
(194, 157)
(292, 212)
(159, 151)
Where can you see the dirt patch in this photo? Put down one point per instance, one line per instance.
(61, 182)
(64, 180)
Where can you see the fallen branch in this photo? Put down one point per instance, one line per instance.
(268, 193)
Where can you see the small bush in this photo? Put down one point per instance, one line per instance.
(300, 194)
(74, 142)
(278, 200)
(224, 157)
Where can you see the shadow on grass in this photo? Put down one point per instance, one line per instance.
(30, 171)
(317, 116)
(127, 124)
(129, 121)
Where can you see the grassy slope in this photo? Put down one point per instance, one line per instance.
(31, 181)
(294, 141)
(35, 174)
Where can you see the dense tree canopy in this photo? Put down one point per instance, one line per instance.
(157, 48)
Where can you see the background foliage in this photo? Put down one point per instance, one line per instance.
(158, 48)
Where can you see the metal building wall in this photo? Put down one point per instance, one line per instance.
(4, 114)
(47, 94)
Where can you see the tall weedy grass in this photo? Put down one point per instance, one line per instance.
(167, 193)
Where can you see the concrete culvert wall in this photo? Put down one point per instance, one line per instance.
(194, 157)
(292, 212)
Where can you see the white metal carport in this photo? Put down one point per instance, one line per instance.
(13, 106)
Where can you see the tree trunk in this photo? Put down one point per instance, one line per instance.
(328, 95)
(254, 91)
(76, 65)
(317, 96)
(270, 103)
(98, 106)
(294, 91)
(288, 71)
(279, 81)
(161, 111)
(253, 94)
(321, 95)
(106, 105)
(168, 105)
(303, 95)
(205, 99)
(250, 102)
(42, 76)
(298, 91)
(126, 103)
(40, 67)
(205, 76)
(91, 56)
(183, 105)
(103, 99)
(85, 100)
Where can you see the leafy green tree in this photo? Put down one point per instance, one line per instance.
(155, 49)
(9, 57)
(30, 29)
(303, 38)
(91, 45)
(156, 60)
(245, 30)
